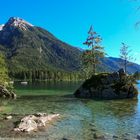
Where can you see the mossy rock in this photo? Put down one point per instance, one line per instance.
(5, 93)
(117, 85)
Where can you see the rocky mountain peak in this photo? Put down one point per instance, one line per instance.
(1, 27)
(15, 22)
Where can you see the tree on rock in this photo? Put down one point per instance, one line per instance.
(92, 56)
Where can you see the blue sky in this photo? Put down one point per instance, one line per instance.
(69, 20)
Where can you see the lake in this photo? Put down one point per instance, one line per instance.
(80, 118)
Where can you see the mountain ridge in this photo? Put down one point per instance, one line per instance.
(28, 47)
(42, 44)
(114, 64)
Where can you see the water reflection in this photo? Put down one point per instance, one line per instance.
(49, 85)
(116, 117)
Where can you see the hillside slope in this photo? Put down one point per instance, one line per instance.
(30, 47)
(113, 64)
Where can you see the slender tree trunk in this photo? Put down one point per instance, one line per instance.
(94, 59)
(94, 69)
(125, 65)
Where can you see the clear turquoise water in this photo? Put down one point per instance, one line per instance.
(80, 119)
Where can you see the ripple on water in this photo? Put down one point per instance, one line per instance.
(81, 119)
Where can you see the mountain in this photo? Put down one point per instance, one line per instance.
(30, 47)
(113, 64)
(31, 51)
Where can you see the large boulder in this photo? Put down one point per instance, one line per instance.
(5, 93)
(117, 85)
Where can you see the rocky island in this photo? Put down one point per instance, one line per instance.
(116, 85)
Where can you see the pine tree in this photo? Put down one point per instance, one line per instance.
(92, 56)
(126, 56)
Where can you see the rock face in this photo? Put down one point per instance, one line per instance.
(6, 94)
(16, 22)
(117, 85)
(33, 122)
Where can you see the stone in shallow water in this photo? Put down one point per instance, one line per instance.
(32, 123)
(93, 129)
(64, 139)
(27, 126)
(98, 136)
(8, 117)
(40, 114)
(115, 136)
(138, 137)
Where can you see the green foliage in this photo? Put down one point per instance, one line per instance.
(4, 77)
(35, 54)
(46, 75)
(38, 49)
(95, 80)
(3, 71)
(91, 57)
(137, 75)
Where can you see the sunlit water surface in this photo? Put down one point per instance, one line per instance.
(80, 119)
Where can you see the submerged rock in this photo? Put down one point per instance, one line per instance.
(114, 136)
(8, 117)
(98, 136)
(33, 122)
(117, 85)
(138, 137)
(6, 93)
